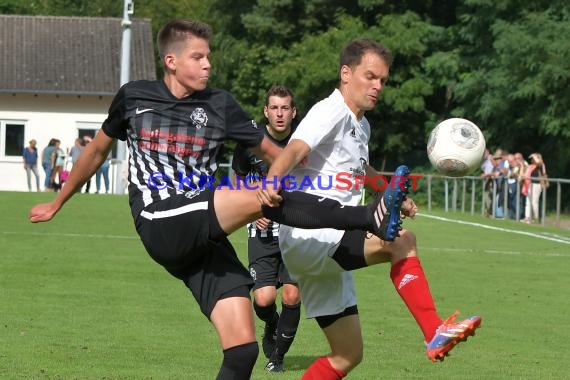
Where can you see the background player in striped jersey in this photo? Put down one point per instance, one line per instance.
(266, 265)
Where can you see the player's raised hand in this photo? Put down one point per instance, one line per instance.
(268, 195)
(262, 223)
(409, 208)
(43, 212)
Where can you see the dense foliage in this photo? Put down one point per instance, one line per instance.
(503, 64)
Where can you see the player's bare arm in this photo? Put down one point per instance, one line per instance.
(89, 161)
(290, 157)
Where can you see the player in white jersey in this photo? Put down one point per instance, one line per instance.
(332, 140)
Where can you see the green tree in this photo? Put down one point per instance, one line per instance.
(514, 78)
(99, 8)
(502, 64)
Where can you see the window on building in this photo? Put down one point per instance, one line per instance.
(91, 129)
(12, 138)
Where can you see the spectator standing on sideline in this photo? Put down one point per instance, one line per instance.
(333, 137)
(76, 150)
(500, 172)
(512, 186)
(30, 156)
(535, 181)
(60, 155)
(183, 223)
(103, 171)
(86, 140)
(488, 179)
(48, 163)
(266, 265)
(522, 167)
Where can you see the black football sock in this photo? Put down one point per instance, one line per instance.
(309, 211)
(286, 329)
(267, 314)
(238, 362)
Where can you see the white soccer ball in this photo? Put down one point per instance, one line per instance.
(456, 147)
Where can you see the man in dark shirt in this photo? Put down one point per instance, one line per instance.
(266, 265)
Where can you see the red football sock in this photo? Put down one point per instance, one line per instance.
(321, 369)
(412, 285)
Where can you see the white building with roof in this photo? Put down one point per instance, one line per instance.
(58, 76)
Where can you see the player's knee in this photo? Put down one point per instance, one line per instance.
(290, 295)
(348, 359)
(263, 300)
(356, 357)
(291, 298)
(265, 296)
(404, 246)
(407, 240)
(353, 356)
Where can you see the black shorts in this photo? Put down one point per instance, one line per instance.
(176, 233)
(266, 265)
(350, 252)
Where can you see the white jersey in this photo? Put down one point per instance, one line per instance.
(339, 151)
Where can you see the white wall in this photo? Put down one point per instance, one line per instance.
(46, 117)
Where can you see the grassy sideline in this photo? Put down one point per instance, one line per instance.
(81, 299)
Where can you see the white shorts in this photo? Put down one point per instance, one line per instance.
(326, 288)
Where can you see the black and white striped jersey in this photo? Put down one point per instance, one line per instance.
(246, 164)
(174, 144)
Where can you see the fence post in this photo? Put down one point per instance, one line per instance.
(463, 194)
(483, 197)
(446, 188)
(543, 207)
(473, 184)
(429, 191)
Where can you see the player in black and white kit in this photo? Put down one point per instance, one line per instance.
(266, 265)
(175, 129)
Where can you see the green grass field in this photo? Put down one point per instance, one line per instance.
(81, 299)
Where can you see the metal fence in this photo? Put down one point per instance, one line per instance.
(467, 194)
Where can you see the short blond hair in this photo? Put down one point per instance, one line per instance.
(178, 31)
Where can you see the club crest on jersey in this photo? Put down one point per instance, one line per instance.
(253, 274)
(199, 118)
(192, 193)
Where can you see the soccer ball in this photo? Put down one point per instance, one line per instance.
(456, 147)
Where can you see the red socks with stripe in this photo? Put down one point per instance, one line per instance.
(321, 369)
(411, 284)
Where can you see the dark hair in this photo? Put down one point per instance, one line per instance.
(179, 31)
(353, 52)
(280, 91)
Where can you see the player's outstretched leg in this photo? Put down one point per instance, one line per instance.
(449, 334)
(311, 211)
(386, 208)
